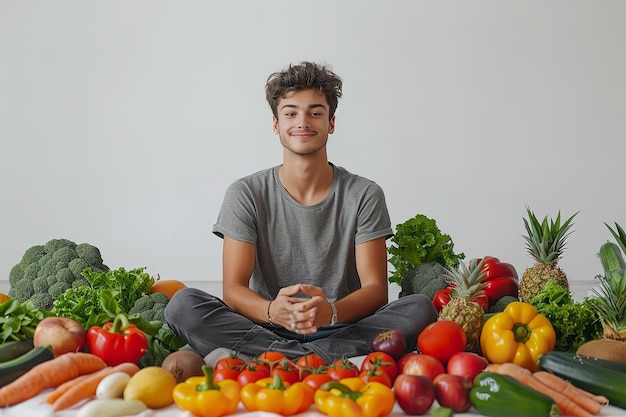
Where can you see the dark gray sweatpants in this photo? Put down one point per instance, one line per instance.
(205, 322)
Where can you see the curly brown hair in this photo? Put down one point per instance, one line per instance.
(304, 76)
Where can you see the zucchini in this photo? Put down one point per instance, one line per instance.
(14, 368)
(13, 349)
(587, 375)
(497, 395)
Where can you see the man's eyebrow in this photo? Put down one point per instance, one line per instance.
(310, 106)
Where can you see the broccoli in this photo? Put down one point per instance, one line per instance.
(46, 270)
(426, 278)
(151, 306)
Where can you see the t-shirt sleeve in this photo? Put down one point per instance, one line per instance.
(236, 218)
(373, 218)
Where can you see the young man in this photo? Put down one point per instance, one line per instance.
(304, 255)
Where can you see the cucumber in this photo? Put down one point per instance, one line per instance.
(14, 368)
(498, 395)
(611, 258)
(13, 349)
(587, 375)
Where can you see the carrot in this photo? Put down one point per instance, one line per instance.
(49, 374)
(86, 388)
(52, 397)
(589, 401)
(525, 376)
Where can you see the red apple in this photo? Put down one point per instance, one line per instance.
(425, 365)
(62, 334)
(415, 394)
(452, 391)
(467, 364)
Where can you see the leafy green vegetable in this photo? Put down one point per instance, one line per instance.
(127, 286)
(19, 319)
(417, 241)
(574, 322)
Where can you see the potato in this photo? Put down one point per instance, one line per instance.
(183, 364)
(607, 349)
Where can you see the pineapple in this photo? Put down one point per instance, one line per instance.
(463, 307)
(545, 243)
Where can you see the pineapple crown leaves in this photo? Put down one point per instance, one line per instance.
(545, 241)
(610, 302)
(619, 235)
(468, 280)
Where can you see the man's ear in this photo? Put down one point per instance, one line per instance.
(275, 124)
(331, 126)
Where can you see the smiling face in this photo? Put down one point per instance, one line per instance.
(303, 122)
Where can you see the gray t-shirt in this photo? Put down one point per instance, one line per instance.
(304, 244)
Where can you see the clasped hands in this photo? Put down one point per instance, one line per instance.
(300, 314)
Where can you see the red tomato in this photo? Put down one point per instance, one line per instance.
(288, 371)
(342, 368)
(252, 373)
(442, 339)
(271, 358)
(233, 362)
(382, 362)
(222, 374)
(310, 361)
(316, 380)
(376, 374)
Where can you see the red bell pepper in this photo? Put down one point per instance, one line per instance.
(442, 297)
(501, 279)
(117, 342)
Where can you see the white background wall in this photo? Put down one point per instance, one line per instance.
(122, 122)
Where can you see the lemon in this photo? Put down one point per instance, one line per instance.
(151, 385)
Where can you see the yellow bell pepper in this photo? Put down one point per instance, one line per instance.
(202, 397)
(352, 397)
(274, 395)
(519, 334)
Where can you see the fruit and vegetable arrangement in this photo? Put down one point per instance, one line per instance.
(503, 344)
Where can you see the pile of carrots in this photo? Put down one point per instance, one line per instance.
(74, 377)
(571, 400)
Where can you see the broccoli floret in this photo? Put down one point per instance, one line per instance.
(501, 304)
(40, 284)
(23, 290)
(54, 245)
(426, 278)
(41, 300)
(63, 256)
(32, 255)
(90, 254)
(65, 275)
(47, 270)
(57, 289)
(151, 306)
(77, 266)
(16, 275)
